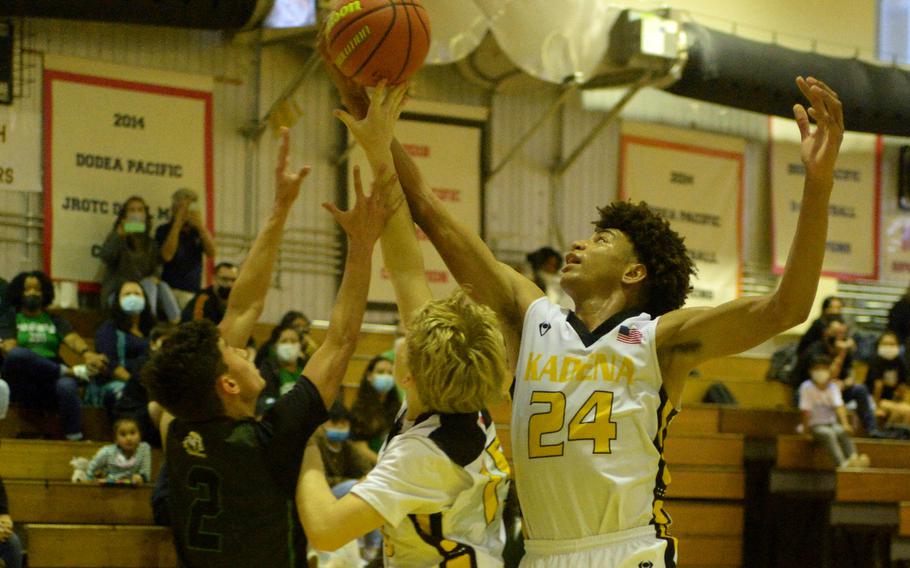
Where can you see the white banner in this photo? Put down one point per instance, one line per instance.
(111, 132)
(852, 247)
(448, 156)
(695, 180)
(20, 143)
(896, 247)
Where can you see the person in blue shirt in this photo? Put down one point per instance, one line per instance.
(182, 241)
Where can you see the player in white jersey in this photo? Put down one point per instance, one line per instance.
(595, 388)
(441, 479)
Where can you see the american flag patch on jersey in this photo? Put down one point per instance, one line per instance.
(629, 335)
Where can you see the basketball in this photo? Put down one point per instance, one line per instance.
(372, 40)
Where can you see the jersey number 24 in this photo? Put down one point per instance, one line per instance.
(590, 422)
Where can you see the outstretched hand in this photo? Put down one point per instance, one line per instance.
(287, 186)
(375, 131)
(365, 221)
(820, 147)
(353, 96)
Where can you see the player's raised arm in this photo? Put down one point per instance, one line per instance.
(472, 263)
(690, 336)
(400, 249)
(363, 224)
(247, 298)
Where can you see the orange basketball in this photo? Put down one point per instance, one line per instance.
(372, 40)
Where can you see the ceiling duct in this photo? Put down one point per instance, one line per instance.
(200, 14)
(759, 77)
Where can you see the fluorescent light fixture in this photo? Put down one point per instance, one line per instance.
(291, 14)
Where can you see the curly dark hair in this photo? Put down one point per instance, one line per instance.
(661, 249)
(123, 321)
(16, 289)
(371, 416)
(181, 376)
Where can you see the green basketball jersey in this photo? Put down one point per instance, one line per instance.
(232, 484)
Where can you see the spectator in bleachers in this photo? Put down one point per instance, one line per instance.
(838, 346)
(10, 547)
(543, 269)
(888, 377)
(129, 459)
(210, 303)
(30, 343)
(899, 318)
(824, 414)
(130, 253)
(301, 323)
(377, 404)
(134, 399)
(282, 366)
(123, 340)
(182, 242)
(831, 306)
(345, 465)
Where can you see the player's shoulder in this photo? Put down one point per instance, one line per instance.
(461, 438)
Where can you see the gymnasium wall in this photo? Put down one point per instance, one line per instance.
(551, 213)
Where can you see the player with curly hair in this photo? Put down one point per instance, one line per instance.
(595, 388)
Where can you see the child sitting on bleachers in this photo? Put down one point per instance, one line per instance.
(129, 460)
(825, 416)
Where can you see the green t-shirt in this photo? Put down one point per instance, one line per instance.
(288, 379)
(41, 334)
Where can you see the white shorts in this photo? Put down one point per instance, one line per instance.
(634, 548)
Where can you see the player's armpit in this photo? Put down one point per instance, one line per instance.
(688, 337)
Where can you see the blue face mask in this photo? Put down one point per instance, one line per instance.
(383, 382)
(337, 435)
(132, 304)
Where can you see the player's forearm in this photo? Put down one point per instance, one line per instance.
(794, 297)
(253, 282)
(463, 251)
(347, 314)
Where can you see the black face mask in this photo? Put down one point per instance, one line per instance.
(223, 293)
(32, 302)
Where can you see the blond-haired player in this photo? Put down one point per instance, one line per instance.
(439, 485)
(595, 388)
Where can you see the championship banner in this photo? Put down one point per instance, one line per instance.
(20, 146)
(896, 247)
(695, 180)
(111, 132)
(853, 231)
(448, 155)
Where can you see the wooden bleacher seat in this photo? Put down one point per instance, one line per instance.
(88, 546)
(20, 421)
(800, 452)
(873, 485)
(904, 527)
(699, 482)
(44, 459)
(64, 502)
(696, 419)
(704, 450)
(759, 422)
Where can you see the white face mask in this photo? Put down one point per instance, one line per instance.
(889, 352)
(820, 376)
(287, 352)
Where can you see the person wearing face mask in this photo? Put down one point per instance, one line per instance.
(211, 303)
(824, 414)
(30, 341)
(130, 253)
(839, 347)
(377, 404)
(888, 376)
(282, 368)
(301, 323)
(345, 465)
(183, 240)
(123, 339)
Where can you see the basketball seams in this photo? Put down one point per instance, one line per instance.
(345, 24)
(381, 40)
(406, 60)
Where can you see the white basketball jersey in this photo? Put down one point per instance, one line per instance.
(440, 484)
(589, 417)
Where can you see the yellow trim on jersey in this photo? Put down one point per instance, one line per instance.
(663, 421)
